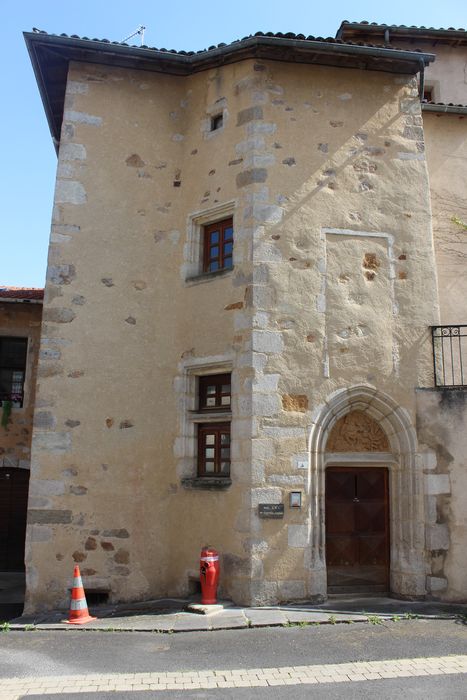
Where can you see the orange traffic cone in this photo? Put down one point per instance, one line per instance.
(79, 613)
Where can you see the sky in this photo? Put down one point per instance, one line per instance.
(29, 159)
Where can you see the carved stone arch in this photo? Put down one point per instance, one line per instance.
(357, 431)
(407, 574)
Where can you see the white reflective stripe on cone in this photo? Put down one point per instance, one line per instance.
(209, 558)
(78, 604)
(77, 583)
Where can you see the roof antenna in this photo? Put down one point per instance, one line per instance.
(141, 29)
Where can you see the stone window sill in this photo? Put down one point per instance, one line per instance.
(207, 483)
(206, 276)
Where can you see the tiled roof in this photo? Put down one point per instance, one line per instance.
(445, 107)
(22, 293)
(272, 35)
(445, 104)
(404, 27)
(386, 33)
(51, 54)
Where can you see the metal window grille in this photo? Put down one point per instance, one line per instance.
(450, 355)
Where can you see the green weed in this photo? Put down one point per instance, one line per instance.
(375, 619)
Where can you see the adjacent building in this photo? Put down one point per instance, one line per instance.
(20, 325)
(255, 250)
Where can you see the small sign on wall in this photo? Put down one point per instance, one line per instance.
(271, 510)
(300, 461)
(295, 499)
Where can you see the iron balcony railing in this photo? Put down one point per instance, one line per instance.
(450, 355)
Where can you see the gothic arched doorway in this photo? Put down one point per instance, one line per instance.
(357, 510)
(356, 429)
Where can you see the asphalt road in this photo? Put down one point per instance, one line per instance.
(33, 654)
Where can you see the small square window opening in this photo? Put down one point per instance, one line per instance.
(428, 94)
(218, 246)
(217, 122)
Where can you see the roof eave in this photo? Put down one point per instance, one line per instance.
(361, 28)
(43, 47)
(200, 60)
(12, 300)
(444, 109)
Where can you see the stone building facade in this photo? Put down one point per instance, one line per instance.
(20, 325)
(442, 412)
(241, 286)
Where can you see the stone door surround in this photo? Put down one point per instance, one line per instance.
(407, 529)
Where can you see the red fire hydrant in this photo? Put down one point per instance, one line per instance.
(209, 575)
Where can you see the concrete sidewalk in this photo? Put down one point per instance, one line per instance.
(170, 615)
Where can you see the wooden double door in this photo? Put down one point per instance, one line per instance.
(357, 530)
(14, 485)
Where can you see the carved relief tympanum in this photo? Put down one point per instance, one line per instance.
(357, 432)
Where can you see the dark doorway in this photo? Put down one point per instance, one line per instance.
(357, 530)
(14, 485)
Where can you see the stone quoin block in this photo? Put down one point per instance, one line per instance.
(265, 404)
(265, 495)
(40, 533)
(44, 420)
(58, 315)
(52, 442)
(47, 487)
(61, 274)
(291, 590)
(437, 537)
(297, 536)
(49, 517)
(72, 151)
(49, 354)
(249, 114)
(250, 177)
(69, 192)
(81, 118)
(436, 584)
(267, 341)
(76, 87)
(437, 484)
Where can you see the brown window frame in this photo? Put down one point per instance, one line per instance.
(218, 430)
(223, 256)
(17, 396)
(218, 381)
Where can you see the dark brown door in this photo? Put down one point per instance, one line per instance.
(357, 530)
(13, 508)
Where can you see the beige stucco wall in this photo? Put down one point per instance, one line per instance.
(344, 250)
(123, 318)
(442, 421)
(24, 321)
(446, 75)
(446, 145)
(333, 286)
(446, 142)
